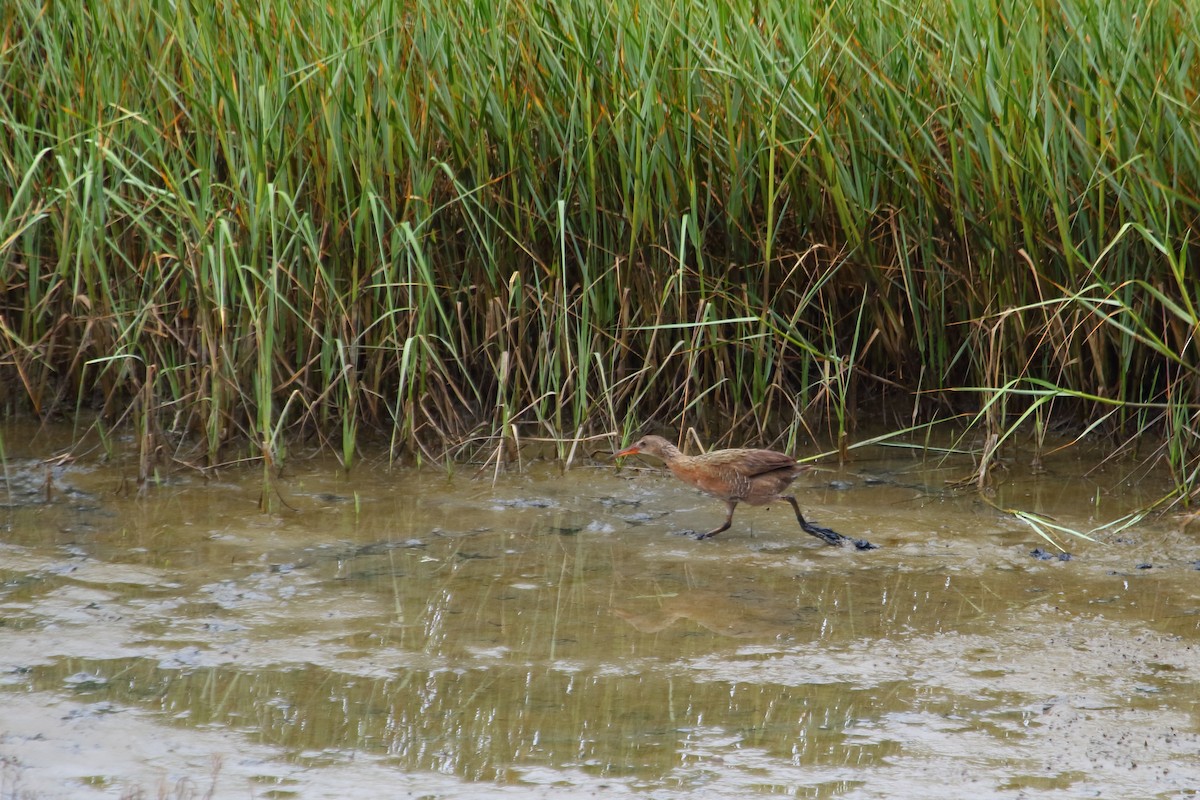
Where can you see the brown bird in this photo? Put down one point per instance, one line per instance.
(740, 475)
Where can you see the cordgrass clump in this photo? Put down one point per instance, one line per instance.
(476, 221)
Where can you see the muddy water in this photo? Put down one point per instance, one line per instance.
(393, 633)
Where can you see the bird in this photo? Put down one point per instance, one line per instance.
(738, 475)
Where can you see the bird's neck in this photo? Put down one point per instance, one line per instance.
(671, 454)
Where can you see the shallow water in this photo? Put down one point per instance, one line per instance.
(390, 632)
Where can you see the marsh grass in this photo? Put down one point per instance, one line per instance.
(461, 225)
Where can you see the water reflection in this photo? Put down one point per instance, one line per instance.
(550, 631)
(482, 723)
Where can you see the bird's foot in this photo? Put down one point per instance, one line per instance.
(826, 535)
(834, 538)
(697, 535)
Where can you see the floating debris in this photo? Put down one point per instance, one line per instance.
(1046, 555)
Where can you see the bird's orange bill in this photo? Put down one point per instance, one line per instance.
(628, 451)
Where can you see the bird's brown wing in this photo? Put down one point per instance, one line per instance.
(748, 462)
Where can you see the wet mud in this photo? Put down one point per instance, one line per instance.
(393, 632)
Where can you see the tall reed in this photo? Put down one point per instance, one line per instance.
(445, 221)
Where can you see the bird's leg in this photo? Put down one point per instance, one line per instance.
(824, 534)
(730, 505)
